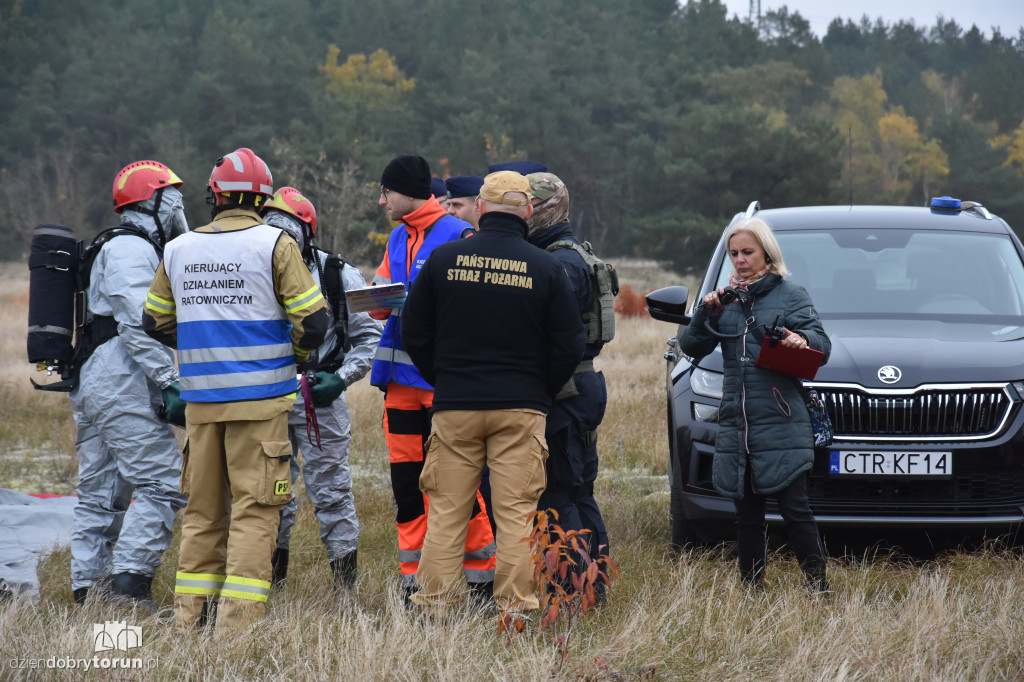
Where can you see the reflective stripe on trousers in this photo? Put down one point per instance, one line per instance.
(246, 588)
(208, 584)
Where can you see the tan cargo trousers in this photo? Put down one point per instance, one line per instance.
(236, 476)
(512, 444)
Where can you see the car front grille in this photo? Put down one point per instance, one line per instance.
(982, 486)
(930, 413)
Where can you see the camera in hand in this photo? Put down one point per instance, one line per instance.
(727, 296)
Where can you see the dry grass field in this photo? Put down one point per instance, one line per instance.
(959, 616)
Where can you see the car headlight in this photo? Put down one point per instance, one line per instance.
(707, 384)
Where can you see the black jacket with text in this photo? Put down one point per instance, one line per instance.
(492, 322)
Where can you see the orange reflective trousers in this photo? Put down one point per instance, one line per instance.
(406, 428)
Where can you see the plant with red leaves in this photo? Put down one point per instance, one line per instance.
(567, 577)
(629, 303)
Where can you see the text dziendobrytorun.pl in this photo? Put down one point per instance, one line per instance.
(96, 662)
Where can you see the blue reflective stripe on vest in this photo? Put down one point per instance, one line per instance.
(387, 366)
(237, 345)
(260, 392)
(218, 375)
(221, 333)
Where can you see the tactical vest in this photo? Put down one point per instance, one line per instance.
(600, 319)
(391, 362)
(234, 337)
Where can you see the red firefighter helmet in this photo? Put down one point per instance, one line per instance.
(241, 171)
(290, 201)
(140, 180)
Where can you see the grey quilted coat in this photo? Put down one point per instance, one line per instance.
(762, 412)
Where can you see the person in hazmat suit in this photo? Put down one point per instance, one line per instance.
(124, 450)
(343, 358)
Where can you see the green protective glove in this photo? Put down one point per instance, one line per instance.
(174, 407)
(327, 389)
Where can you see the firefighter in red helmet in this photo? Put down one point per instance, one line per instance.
(236, 300)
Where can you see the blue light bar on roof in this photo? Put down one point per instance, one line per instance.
(945, 204)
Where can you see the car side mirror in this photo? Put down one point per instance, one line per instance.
(669, 304)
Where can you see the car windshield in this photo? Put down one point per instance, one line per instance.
(906, 274)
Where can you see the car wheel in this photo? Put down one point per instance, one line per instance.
(682, 536)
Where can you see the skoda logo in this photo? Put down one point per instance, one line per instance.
(889, 374)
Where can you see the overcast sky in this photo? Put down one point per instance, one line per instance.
(1008, 15)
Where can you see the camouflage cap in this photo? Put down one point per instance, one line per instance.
(543, 185)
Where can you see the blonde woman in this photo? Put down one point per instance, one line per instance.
(765, 444)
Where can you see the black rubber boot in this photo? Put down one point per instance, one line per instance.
(209, 614)
(407, 592)
(133, 589)
(819, 586)
(482, 594)
(279, 564)
(99, 589)
(344, 570)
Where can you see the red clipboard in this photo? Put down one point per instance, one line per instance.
(798, 362)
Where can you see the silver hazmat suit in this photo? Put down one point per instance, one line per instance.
(124, 450)
(326, 473)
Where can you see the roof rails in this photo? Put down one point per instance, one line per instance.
(975, 207)
(754, 207)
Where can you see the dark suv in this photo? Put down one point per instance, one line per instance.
(925, 310)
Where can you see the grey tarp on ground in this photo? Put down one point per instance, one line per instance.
(29, 526)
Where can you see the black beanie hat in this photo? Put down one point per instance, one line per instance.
(408, 174)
